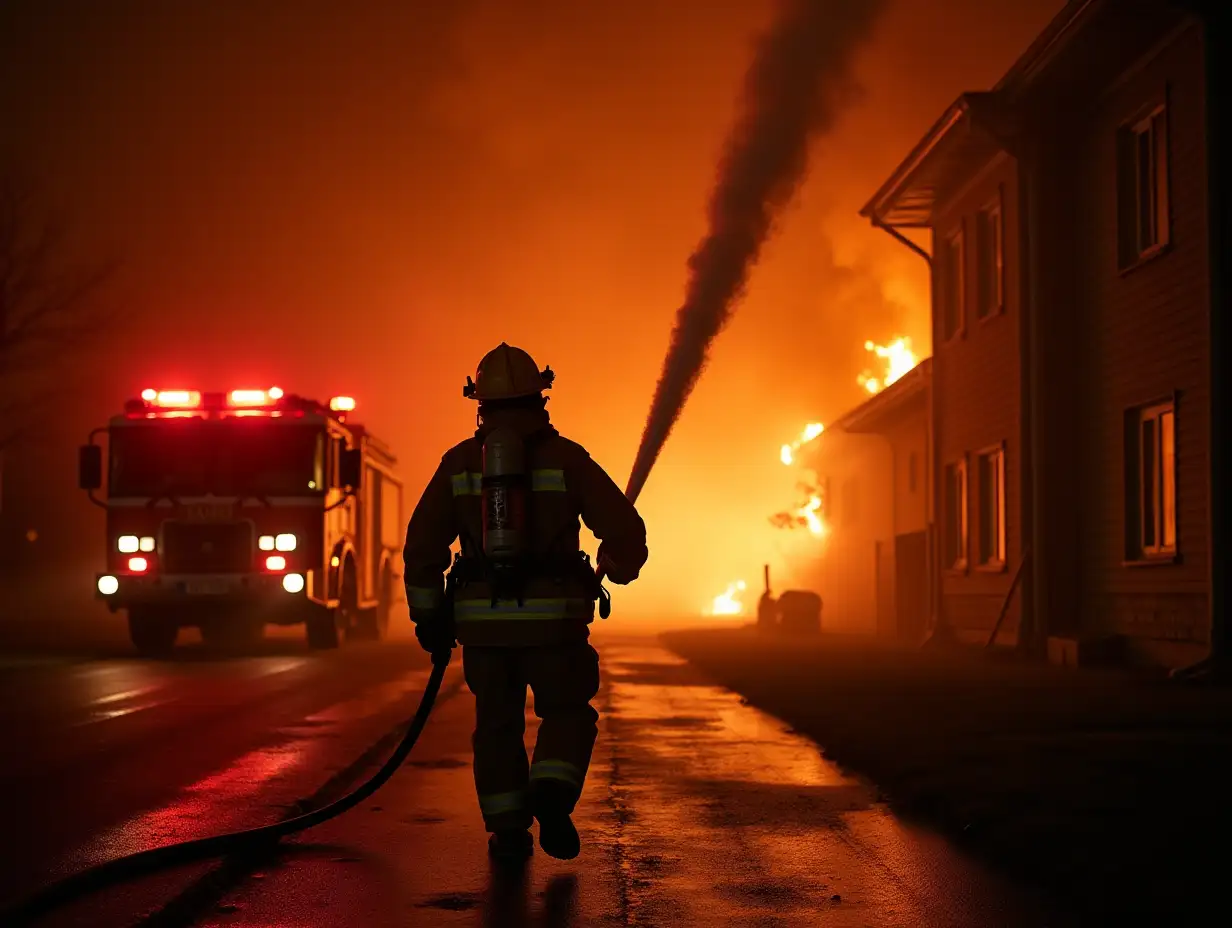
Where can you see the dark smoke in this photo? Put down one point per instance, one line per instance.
(797, 84)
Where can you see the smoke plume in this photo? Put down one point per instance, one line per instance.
(797, 84)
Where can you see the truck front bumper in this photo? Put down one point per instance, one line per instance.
(122, 590)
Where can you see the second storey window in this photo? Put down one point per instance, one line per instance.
(953, 273)
(990, 248)
(1142, 187)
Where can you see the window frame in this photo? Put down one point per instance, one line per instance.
(990, 221)
(954, 282)
(997, 563)
(1151, 119)
(1137, 551)
(960, 563)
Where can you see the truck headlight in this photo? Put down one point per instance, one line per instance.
(293, 583)
(108, 585)
(266, 542)
(284, 542)
(128, 544)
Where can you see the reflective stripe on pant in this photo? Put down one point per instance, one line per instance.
(564, 680)
(497, 806)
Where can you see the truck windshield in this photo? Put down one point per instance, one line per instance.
(189, 457)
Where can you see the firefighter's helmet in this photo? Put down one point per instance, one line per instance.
(506, 373)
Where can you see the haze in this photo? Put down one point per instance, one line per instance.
(364, 202)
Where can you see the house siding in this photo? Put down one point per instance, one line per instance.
(1149, 339)
(978, 399)
(858, 469)
(908, 437)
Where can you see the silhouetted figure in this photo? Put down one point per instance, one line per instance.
(513, 494)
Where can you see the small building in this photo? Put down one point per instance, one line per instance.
(1068, 211)
(872, 469)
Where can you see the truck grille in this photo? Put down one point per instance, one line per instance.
(207, 548)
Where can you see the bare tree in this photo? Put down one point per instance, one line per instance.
(50, 313)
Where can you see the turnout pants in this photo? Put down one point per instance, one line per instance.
(564, 679)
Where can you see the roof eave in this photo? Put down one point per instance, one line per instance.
(875, 413)
(900, 180)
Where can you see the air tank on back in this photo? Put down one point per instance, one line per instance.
(503, 489)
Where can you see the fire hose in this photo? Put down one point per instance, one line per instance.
(264, 838)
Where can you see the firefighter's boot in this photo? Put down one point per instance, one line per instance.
(511, 847)
(552, 803)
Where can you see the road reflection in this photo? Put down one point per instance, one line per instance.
(508, 903)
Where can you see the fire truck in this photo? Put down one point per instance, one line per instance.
(230, 511)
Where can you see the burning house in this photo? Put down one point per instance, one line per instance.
(868, 503)
(1071, 376)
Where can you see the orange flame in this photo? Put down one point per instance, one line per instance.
(728, 602)
(898, 359)
(811, 431)
(810, 512)
(808, 515)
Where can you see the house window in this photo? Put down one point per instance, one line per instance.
(991, 477)
(1142, 187)
(956, 515)
(913, 467)
(1151, 482)
(990, 251)
(953, 294)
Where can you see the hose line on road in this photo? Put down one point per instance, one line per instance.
(58, 894)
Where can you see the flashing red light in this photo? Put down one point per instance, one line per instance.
(149, 394)
(248, 398)
(275, 393)
(174, 399)
(138, 565)
(275, 562)
(342, 403)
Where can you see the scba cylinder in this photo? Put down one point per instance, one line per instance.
(504, 495)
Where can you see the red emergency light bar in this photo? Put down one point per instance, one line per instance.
(250, 398)
(240, 402)
(172, 399)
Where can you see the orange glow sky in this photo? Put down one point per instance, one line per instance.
(365, 202)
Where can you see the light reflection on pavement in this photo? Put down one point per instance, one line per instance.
(698, 811)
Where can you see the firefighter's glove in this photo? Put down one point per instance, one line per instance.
(612, 568)
(436, 635)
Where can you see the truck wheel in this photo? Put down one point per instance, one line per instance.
(357, 624)
(322, 627)
(385, 608)
(373, 623)
(152, 632)
(366, 627)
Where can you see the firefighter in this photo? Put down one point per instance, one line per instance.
(525, 593)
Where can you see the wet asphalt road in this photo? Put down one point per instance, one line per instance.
(699, 810)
